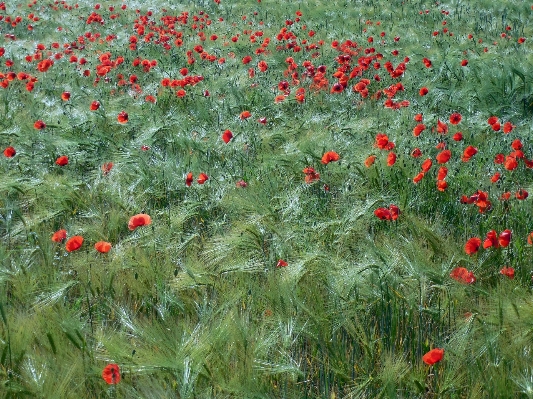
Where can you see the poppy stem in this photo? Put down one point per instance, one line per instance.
(87, 288)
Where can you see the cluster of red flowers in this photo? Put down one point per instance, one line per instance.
(495, 124)
(480, 199)
(311, 175)
(463, 275)
(74, 243)
(9, 77)
(390, 213)
(382, 142)
(510, 162)
(202, 178)
(491, 240)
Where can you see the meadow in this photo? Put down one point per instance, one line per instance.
(248, 199)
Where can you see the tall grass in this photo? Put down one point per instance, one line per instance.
(193, 305)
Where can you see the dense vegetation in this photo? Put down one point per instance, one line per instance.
(246, 200)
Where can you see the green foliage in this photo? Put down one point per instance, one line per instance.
(194, 304)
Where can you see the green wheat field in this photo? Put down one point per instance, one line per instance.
(255, 199)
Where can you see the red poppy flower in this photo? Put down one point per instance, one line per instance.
(310, 175)
(111, 374)
(464, 63)
(418, 118)
(521, 194)
(463, 276)
(245, 115)
(370, 161)
(472, 245)
(122, 117)
(433, 356)
(467, 200)
(505, 238)
(455, 118)
(518, 154)
(442, 127)
(227, 136)
(106, 168)
(330, 156)
(394, 211)
(74, 243)
(300, 95)
(241, 184)
(94, 106)
(263, 66)
(530, 238)
(391, 159)
(383, 143)
(416, 153)
(337, 88)
(510, 163)
(505, 196)
(508, 127)
(495, 177)
(492, 120)
(202, 178)
(444, 156)
(481, 199)
(62, 160)
(279, 98)
(496, 126)
(468, 153)
(418, 177)
(458, 136)
(138, 220)
(443, 172)
(39, 125)
(426, 165)
(59, 235)
(418, 129)
(423, 91)
(9, 152)
(383, 214)
(517, 144)
(189, 179)
(102, 246)
(282, 263)
(491, 240)
(507, 271)
(499, 159)
(442, 185)
(391, 213)
(44, 65)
